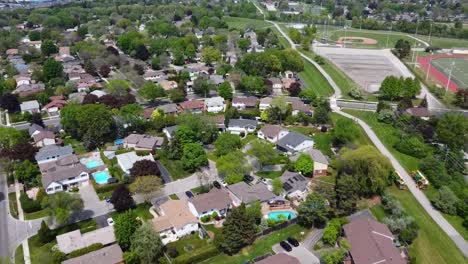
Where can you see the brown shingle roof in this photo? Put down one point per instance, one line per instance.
(216, 199)
(192, 104)
(107, 255)
(271, 131)
(280, 258)
(176, 214)
(250, 101)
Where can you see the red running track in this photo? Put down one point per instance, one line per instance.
(424, 61)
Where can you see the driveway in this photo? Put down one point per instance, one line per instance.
(165, 175)
(93, 207)
(301, 253)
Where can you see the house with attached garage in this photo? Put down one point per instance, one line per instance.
(215, 104)
(272, 133)
(175, 221)
(44, 138)
(294, 142)
(242, 126)
(58, 176)
(107, 255)
(143, 142)
(53, 153)
(35, 129)
(321, 162)
(244, 193)
(208, 203)
(244, 103)
(192, 106)
(295, 185)
(30, 107)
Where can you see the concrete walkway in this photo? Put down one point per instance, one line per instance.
(26, 254)
(459, 241)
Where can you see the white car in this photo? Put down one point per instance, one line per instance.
(110, 221)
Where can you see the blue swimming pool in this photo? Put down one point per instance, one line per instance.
(281, 215)
(92, 164)
(119, 141)
(101, 177)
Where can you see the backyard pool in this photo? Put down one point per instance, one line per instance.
(281, 215)
(93, 161)
(101, 177)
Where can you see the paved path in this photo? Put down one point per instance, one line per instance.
(165, 175)
(418, 194)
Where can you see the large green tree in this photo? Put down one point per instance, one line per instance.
(193, 156)
(391, 88)
(61, 205)
(125, 226)
(313, 211)
(227, 143)
(48, 47)
(52, 69)
(345, 131)
(264, 152)
(147, 244)
(117, 87)
(452, 130)
(238, 230)
(151, 91)
(232, 167)
(304, 165)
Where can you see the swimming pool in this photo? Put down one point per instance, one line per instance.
(92, 162)
(101, 177)
(281, 215)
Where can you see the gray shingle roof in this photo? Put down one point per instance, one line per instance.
(292, 139)
(52, 151)
(318, 156)
(168, 108)
(242, 123)
(58, 174)
(215, 199)
(33, 128)
(107, 255)
(293, 181)
(250, 193)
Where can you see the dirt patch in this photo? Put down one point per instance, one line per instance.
(357, 40)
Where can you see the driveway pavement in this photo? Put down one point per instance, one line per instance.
(301, 253)
(165, 175)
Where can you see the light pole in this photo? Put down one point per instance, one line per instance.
(429, 67)
(430, 31)
(388, 34)
(450, 76)
(415, 39)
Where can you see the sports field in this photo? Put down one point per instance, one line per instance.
(440, 67)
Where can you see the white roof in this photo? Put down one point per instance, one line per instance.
(126, 160)
(214, 101)
(98, 93)
(74, 240)
(29, 105)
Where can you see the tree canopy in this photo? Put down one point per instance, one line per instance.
(238, 230)
(61, 205)
(125, 226)
(122, 198)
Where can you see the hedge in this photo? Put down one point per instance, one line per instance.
(86, 250)
(29, 205)
(197, 256)
(106, 187)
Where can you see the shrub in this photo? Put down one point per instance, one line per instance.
(215, 215)
(86, 250)
(29, 205)
(205, 218)
(45, 234)
(172, 251)
(413, 146)
(107, 187)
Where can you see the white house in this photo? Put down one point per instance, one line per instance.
(242, 126)
(294, 142)
(175, 221)
(62, 174)
(320, 162)
(215, 104)
(272, 133)
(208, 203)
(126, 160)
(265, 103)
(52, 153)
(30, 107)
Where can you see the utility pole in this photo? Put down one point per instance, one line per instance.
(430, 32)
(450, 76)
(388, 34)
(344, 41)
(429, 67)
(415, 34)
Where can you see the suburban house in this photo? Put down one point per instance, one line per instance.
(152, 75)
(215, 104)
(169, 109)
(35, 129)
(53, 153)
(126, 160)
(265, 103)
(321, 162)
(206, 204)
(243, 103)
(148, 112)
(22, 79)
(371, 242)
(216, 79)
(243, 193)
(272, 133)
(175, 221)
(294, 142)
(168, 85)
(55, 106)
(242, 126)
(287, 82)
(170, 131)
(25, 90)
(74, 240)
(299, 107)
(294, 184)
(98, 93)
(192, 106)
(108, 255)
(276, 83)
(61, 174)
(280, 258)
(143, 142)
(219, 121)
(44, 138)
(30, 107)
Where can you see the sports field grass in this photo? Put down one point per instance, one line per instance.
(243, 23)
(445, 43)
(459, 71)
(379, 36)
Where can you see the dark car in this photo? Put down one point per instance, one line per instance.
(293, 241)
(189, 194)
(112, 180)
(217, 184)
(248, 178)
(286, 246)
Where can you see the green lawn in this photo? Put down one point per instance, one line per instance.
(13, 205)
(174, 196)
(445, 42)
(243, 23)
(19, 255)
(141, 210)
(77, 145)
(260, 247)
(36, 215)
(269, 174)
(378, 212)
(191, 245)
(314, 80)
(175, 168)
(379, 36)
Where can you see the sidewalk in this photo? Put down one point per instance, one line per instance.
(26, 254)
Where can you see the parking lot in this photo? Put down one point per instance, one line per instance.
(300, 252)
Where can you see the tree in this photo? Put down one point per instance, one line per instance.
(264, 152)
(232, 167)
(210, 55)
(294, 89)
(277, 186)
(10, 102)
(176, 95)
(145, 168)
(295, 35)
(147, 244)
(22, 151)
(321, 114)
(345, 131)
(52, 69)
(411, 87)
(369, 167)
(391, 88)
(238, 230)
(44, 234)
(203, 127)
(452, 130)
(402, 48)
(61, 205)
(225, 91)
(243, 44)
(193, 157)
(313, 212)
(151, 91)
(122, 198)
(142, 52)
(10, 136)
(36, 118)
(304, 165)
(125, 225)
(26, 171)
(202, 87)
(446, 201)
(104, 70)
(146, 185)
(117, 87)
(253, 84)
(308, 95)
(227, 143)
(48, 47)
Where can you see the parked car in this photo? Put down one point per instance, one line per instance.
(217, 185)
(224, 183)
(112, 180)
(248, 178)
(293, 241)
(110, 221)
(285, 246)
(189, 194)
(108, 200)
